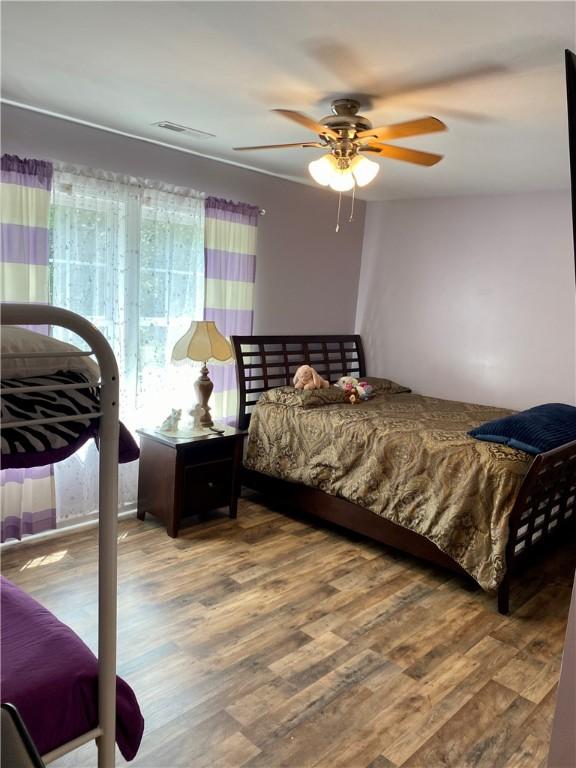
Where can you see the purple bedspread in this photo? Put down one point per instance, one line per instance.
(51, 676)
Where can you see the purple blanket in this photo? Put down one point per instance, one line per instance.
(51, 676)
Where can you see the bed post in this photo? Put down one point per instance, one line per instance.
(107, 554)
(108, 435)
(504, 595)
(108, 432)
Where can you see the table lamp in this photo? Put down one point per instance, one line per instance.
(202, 342)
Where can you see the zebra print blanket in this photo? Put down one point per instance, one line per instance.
(37, 445)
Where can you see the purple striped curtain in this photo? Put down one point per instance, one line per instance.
(27, 495)
(230, 247)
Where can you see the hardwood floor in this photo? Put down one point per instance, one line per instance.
(269, 641)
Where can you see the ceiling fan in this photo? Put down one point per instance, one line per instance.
(346, 136)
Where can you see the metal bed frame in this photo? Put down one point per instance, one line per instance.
(37, 314)
(544, 510)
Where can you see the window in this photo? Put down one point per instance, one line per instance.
(131, 260)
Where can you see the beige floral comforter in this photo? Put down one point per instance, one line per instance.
(407, 458)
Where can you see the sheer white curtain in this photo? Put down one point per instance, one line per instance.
(128, 255)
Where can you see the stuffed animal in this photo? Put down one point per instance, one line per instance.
(365, 390)
(350, 395)
(346, 382)
(307, 378)
(354, 390)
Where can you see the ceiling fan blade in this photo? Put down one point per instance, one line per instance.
(342, 61)
(374, 91)
(454, 113)
(307, 122)
(400, 130)
(457, 77)
(339, 59)
(281, 146)
(401, 153)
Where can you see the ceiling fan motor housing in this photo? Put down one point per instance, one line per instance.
(344, 118)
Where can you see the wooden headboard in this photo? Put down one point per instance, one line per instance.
(264, 362)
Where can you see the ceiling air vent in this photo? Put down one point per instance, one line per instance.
(176, 128)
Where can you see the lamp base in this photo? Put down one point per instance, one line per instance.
(203, 387)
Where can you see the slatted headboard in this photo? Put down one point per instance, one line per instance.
(264, 362)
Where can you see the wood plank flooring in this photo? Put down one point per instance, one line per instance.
(270, 641)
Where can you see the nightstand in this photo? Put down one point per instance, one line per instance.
(182, 476)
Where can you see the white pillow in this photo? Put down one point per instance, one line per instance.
(21, 340)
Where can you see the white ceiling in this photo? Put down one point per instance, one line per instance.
(221, 66)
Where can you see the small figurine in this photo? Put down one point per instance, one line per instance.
(170, 423)
(190, 424)
(196, 414)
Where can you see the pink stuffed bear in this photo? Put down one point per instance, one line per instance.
(307, 378)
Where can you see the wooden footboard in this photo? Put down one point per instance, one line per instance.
(545, 509)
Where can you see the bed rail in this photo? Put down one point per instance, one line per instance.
(38, 314)
(263, 362)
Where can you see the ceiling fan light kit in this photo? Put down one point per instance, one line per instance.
(342, 174)
(364, 170)
(323, 169)
(342, 181)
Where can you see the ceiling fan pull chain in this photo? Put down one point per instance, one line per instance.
(338, 214)
(352, 206)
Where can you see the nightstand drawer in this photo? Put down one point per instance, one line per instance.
(207, 486)
(203, 451)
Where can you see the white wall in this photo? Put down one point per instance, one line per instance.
(472, 298)
(306, 273)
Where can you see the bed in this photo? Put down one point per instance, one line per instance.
(65, 695)
(410, 476)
